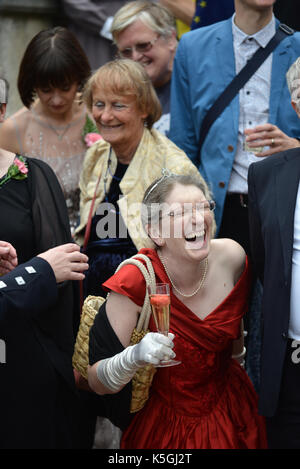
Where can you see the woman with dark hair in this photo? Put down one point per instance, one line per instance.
(52, 72)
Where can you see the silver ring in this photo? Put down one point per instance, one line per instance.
(272, 142)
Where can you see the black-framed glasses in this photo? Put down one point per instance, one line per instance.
(140, 47)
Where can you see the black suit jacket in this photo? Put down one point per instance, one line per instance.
(37, 289)
(273, 185)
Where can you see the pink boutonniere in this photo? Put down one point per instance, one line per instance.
(21, 165)
(91, 138)
(18, 170)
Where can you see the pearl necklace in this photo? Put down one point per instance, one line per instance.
(174, 286)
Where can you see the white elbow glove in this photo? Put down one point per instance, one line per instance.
(118, 370)
(153, 348)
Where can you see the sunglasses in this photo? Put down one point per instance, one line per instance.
(140, 47)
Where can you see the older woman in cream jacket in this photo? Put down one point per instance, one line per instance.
(118, 168)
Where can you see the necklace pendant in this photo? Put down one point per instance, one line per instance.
(60, 136)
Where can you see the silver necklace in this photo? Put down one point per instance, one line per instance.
(189, 295)
(65, 129)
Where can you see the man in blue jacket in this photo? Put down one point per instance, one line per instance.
(206, 61)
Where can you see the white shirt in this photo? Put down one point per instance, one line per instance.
(294, 325)
(253, 97)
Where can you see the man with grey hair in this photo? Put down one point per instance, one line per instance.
(274, 219)
(146, 33)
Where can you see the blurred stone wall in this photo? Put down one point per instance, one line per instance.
(20, 20)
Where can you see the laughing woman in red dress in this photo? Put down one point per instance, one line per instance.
(207, 401)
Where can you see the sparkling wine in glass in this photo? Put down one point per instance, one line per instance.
(251, 120)
(160, 304)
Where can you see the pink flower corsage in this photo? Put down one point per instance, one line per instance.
(21, 165)
(91, 138)
(18, 170)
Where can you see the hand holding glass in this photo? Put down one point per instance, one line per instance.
(251, 120)
(160, 304)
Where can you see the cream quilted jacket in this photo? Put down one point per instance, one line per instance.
(154, 152)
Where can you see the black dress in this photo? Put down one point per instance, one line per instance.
(38, 397)
(107, 249)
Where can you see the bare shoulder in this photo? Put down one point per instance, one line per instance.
(226, 247)
(7, 126)
(230, 254)
(10, 127)
(8, 136)
(19, 118)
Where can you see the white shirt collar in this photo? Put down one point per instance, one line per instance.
(262, 37)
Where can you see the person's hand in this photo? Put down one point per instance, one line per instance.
(67, 262)
(269, 135)
(181, 9)
(8, 257)
(153, 348)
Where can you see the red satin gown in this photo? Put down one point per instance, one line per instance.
(207, 401)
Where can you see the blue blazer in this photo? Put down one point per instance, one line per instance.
(204, 65)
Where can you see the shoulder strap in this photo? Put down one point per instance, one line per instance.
(239, 81)
(149, 276)
(87, 237)
(90, 216)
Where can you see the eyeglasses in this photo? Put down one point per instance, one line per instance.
(140, 47)
(188, 209)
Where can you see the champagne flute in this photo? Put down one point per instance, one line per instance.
(160, 304)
